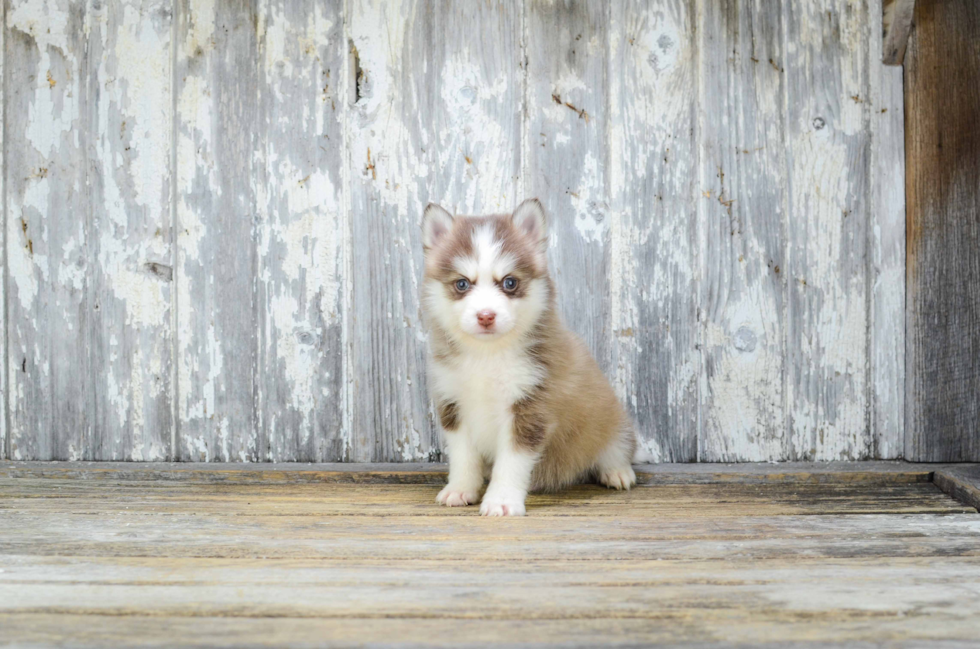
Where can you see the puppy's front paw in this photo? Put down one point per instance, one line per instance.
(621, 478)
(496, 503)
(453, 496)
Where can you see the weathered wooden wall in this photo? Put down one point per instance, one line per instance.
(212, 248)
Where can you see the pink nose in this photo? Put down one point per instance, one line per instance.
(486, 318)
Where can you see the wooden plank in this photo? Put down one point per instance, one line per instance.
(716, 629)
(216, 269)
(4, 367)
(435, 93)
(25, 500)
(392, 473)
(301, 279)
(743, 216)
(566, 168)
(868, 472)
(779, 490)
(336, 517)
(896, 24)
(653, 222)
(433, 473)
(943, 304)
(962, 482)
(458, 538)
(130, 272)
(316, 572)
(510, 593)
(88, 234)
(50, 245)
(227, 499)
(887, 263)
(828, 148)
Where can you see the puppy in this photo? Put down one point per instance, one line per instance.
(517, 394)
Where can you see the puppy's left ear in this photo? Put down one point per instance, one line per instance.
(529, 219)
(436, 223)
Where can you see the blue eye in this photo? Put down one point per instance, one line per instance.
(510, 284)
(462, 285)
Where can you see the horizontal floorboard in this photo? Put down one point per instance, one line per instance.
(710, 630)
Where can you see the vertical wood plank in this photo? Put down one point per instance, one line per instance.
(942, 94)
(216, 130)
(743, 213)
(653, 172)
(88, 230)
(435, 92)
(299, 188)
(887, 268)
(567, 90)
(130, 273)
(828, 115)
(5, 371)
(49, 240)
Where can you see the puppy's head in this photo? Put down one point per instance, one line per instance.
(486, 277)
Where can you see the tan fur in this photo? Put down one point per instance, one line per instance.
(580, 411)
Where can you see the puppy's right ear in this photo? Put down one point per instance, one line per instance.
(436, 223)
(530, 221)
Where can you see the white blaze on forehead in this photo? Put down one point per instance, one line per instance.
(487, 262)
(487, 250)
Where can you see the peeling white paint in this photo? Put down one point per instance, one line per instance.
(589, 210)
(53, 108)
(632, 188)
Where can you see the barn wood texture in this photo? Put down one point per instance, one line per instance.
(828, 148)
(766, 558)
(743, 202)
(88, 180)
(652, 148)
(212, 245)
(896, 25)
(942, 75)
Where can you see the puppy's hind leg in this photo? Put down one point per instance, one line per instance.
(613, 468)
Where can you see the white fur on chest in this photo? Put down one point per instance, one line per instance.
(485, 386)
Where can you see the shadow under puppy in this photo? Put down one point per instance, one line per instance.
(516, 392)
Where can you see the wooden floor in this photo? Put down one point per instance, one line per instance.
(165, 555)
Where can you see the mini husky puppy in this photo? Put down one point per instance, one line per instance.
(516, 392)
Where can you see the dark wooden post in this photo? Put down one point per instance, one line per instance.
(942, 115)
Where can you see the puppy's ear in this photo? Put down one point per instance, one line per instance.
(529, 219)
(436, 223)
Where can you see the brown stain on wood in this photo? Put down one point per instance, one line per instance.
(581, 112)
(370, 166)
